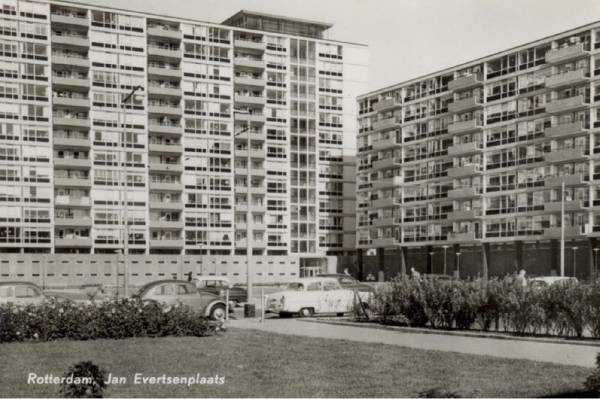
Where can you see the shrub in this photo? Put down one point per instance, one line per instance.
(114, 320)
(83, 370)
(592, 383)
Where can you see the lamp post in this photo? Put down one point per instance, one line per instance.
(562, 229)
(595, 272)
(125, 192)
(458, 254)
(445, 254)
(575, 261)
(431, 260)
(249, 268)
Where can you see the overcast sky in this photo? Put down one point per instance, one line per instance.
(407, 38)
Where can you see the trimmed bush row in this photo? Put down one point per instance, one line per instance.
(568, 309)
(115, 320)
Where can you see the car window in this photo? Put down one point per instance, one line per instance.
(22, 291)
(184, 289)
(295, 287)
(314, 286)
(165, 289)
(211, 283)
(347, 281)
(330, 286)
(7, 292)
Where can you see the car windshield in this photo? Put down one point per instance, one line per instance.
(295, 287)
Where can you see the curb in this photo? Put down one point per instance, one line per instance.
(417, 330)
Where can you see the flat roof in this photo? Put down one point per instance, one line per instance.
(324, 25)
(478, 60)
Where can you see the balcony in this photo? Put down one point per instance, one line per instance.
(387, 104)
(70, 121)
(464, 171)
(69, 19)
(462, 193)
(253, 153)
(464, 148)
(165, 32)
(555, 232)
(165, 186)
(465, 104)
(246, 117)
(166, 148)
(465, 82)
(386, 163)
(390, 142)
(74, 102)
(70, 142)
(385, 242)
(463, 215)
(467, 237)
(72, 181)
(570, 206)
(75, 242)
(70, 60)
(75, 221)
(249, 63)
(385, 221)
(565, 130)
(166, 167)
(164, 109)
(559, 55)
(249, 44)
(567, 79)
(247, 99)
(385, 202)
(569, 104)
(164, 71)
(569, 180)
(71, 82)
(70, 40)
(73, 163)
(244, 207)
(166, 128)
(565, 155)
(164, 52)
(469, 126)
(166, 243)
(166, 224)
(169, 205)
(66, 200)
(249, 81)
(168, 91)
(387, 182)
(385, 124)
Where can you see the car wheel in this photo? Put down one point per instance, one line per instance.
(340, 314)
(306, 312)
(218, 312)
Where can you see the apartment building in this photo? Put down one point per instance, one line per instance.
(473, 158)
(205, 138)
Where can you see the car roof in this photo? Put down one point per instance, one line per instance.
(19, 283)
(158, 282)
(201, 278)
(333, 275)
(313, 280)
(551, 279)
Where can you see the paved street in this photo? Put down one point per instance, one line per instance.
(576, 355)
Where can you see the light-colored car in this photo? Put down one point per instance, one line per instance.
(547, 281)
(21, 293)
(219, 286)
(314, 295)
(177, 292)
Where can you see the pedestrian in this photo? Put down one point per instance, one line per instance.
(415, 274)
(520, 279)
(189, 276)
(346, 272)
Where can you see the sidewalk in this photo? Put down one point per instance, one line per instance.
(574, 355)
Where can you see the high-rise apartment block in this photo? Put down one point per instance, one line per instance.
(478, 153)
(238, 136)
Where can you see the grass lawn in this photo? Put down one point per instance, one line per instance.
(258, 364)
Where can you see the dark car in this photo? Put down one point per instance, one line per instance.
(219, 286)
(347, 281)
(177, 292)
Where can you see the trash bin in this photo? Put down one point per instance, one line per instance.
(249, 310)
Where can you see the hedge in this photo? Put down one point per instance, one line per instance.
(119, 319)
(568, 309)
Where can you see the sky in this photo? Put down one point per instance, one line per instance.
(407, 38)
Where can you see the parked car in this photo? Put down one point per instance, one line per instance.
(175, 292)
(350, 282)
(315, 295)
(21, 293)
(547, 281)
(219, 286)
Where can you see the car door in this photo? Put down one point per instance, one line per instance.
(27, 295)
(165, 294)
(313, 297)
(337, 299)
(188, 295)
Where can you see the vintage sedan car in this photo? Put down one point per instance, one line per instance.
(177, 292)
(314, 295)
(21, 293)
(219, 286)
(347, 281)
(547, 281)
